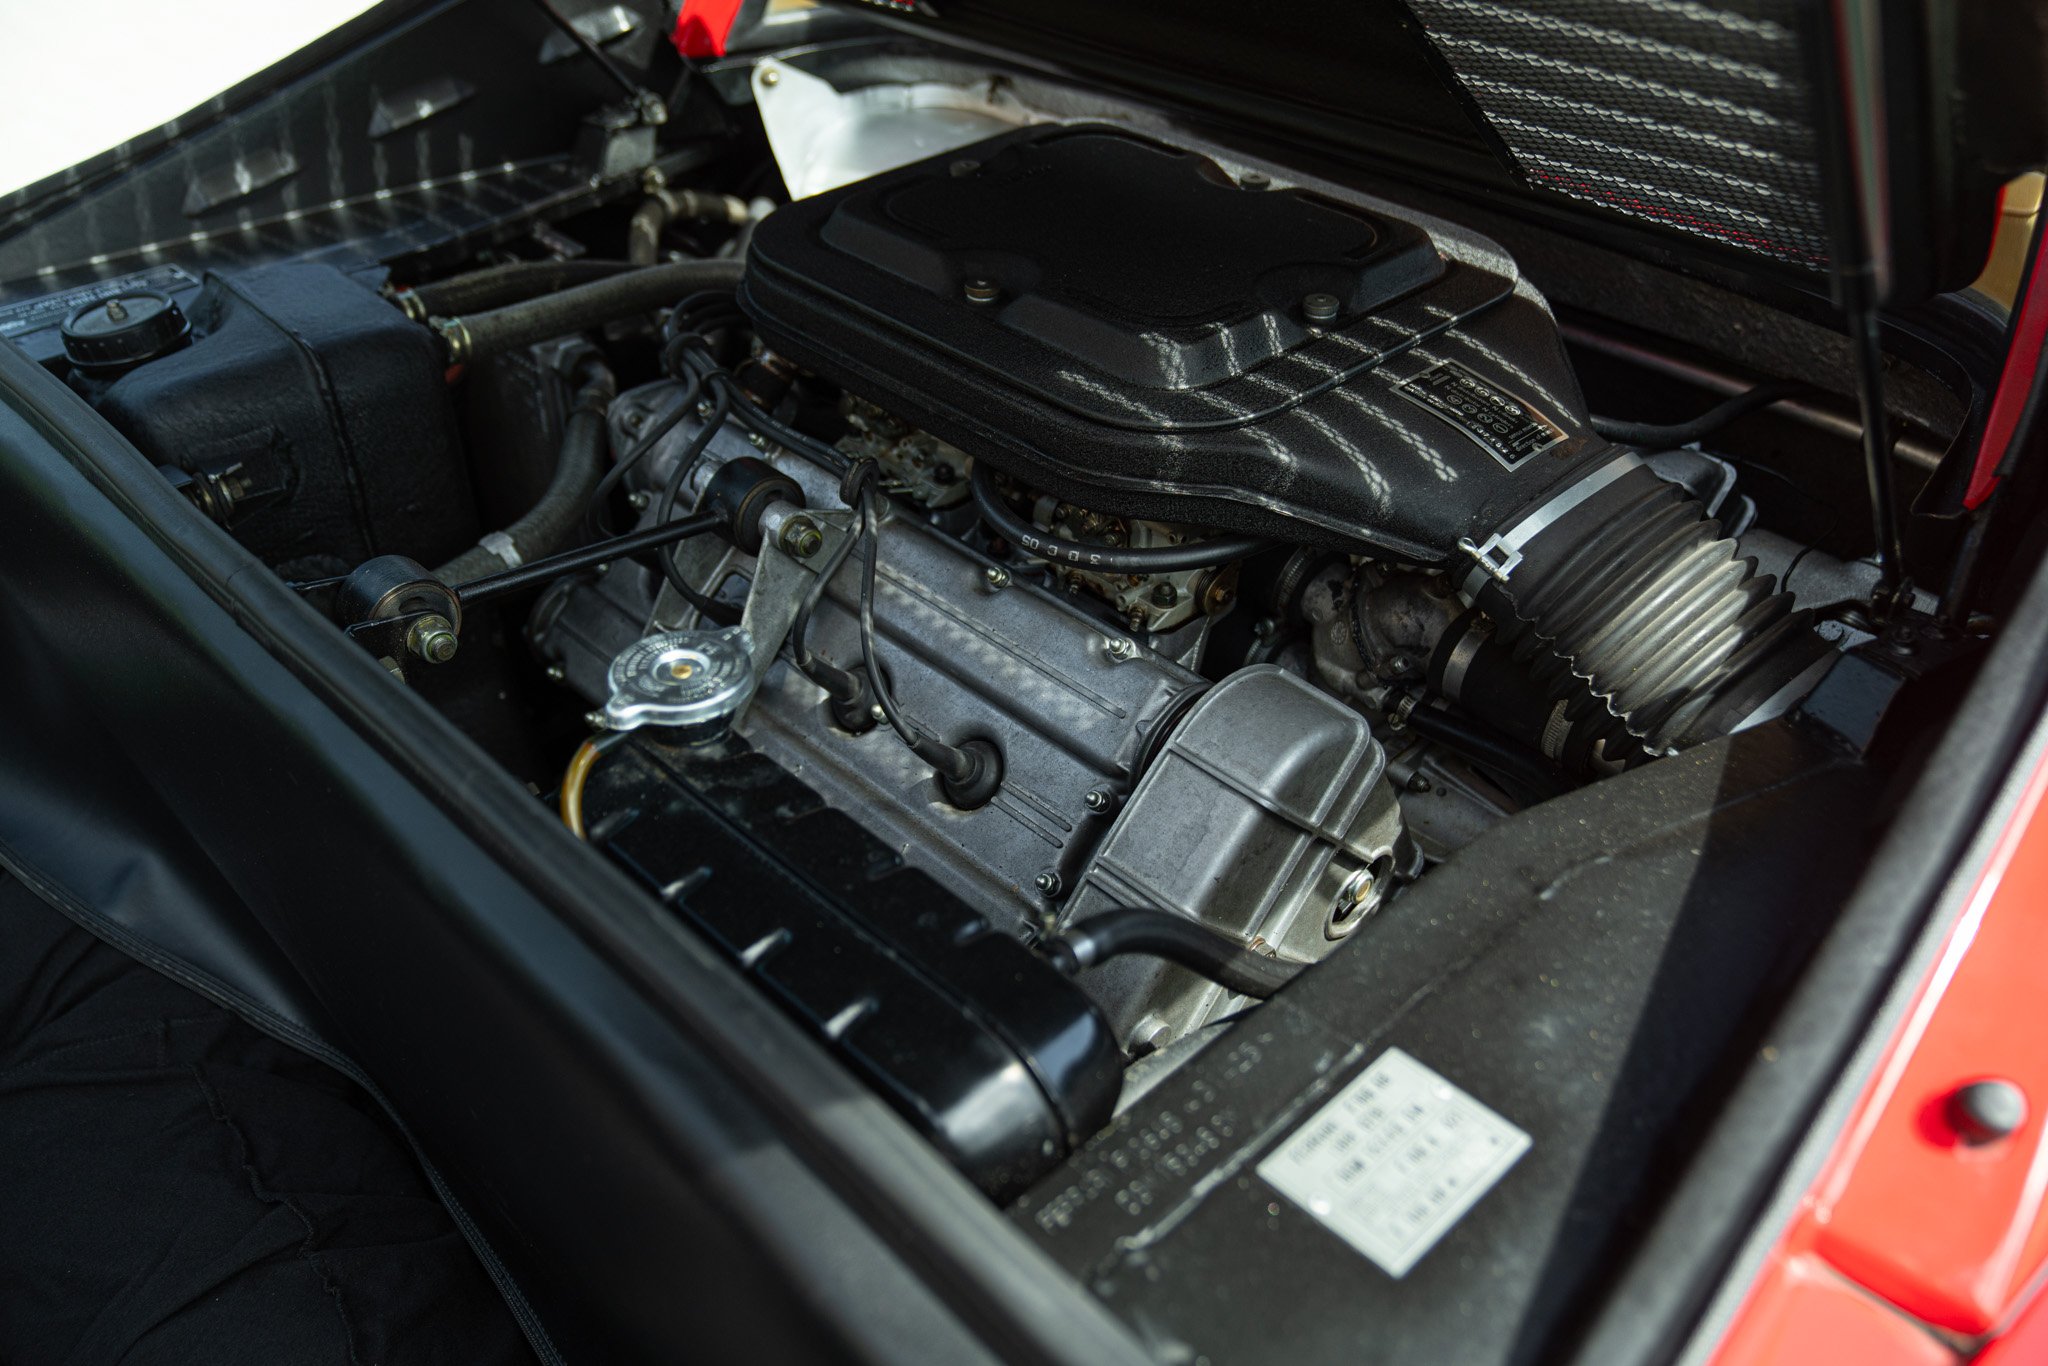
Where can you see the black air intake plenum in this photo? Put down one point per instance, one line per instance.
(1638, 628)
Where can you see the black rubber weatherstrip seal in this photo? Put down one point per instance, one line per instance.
(1006, 1292)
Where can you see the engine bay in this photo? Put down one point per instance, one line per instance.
(1110, 634)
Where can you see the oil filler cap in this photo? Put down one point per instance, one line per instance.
(691, 684)
(133, 326)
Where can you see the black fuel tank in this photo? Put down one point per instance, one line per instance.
(1124, 323)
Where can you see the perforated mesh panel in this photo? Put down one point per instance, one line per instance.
(1693, 117)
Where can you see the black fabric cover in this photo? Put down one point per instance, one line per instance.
(177, 1187)
(329, 402)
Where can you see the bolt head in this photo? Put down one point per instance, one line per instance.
(556, 673)
(996, 576)
(771, 77)
(596, 720)
(1048, 883)
(1148, 1034)
(1165, 595)
(1320, 307)
(639, 500)
(757, 441)
(1097, 800)
(981, 291)
(1118, 648)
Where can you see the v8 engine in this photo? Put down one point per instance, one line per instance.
(1098, 377)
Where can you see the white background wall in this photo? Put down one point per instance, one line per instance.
(78, 76)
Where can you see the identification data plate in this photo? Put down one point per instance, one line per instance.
(1394, 1160)
(1507, 428)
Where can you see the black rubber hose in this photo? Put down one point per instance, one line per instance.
(496, 286)
(1177, 939)
(551, 521)
(1109, 559)
(1487, 747)
(1651, 436)
(583, 306)
(665, 206)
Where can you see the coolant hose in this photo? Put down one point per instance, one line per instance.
(1162, 934)
(496, 286)
(665, 206)
(582, 306)
(551, 521)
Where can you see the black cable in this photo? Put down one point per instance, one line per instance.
(1177, 939)
(969, 773)
(707, 302)
(799, 630)
(847, 689)
(1653, 436)
(707, 606)
(871, 541)
(649, 438)
(692, 354)
(1126, 560)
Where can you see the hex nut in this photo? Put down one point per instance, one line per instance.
(801, 537)
(432, 638)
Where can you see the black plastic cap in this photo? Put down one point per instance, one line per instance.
(133, 326)
(1986, 1111)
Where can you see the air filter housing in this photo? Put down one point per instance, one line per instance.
(1127, 324)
